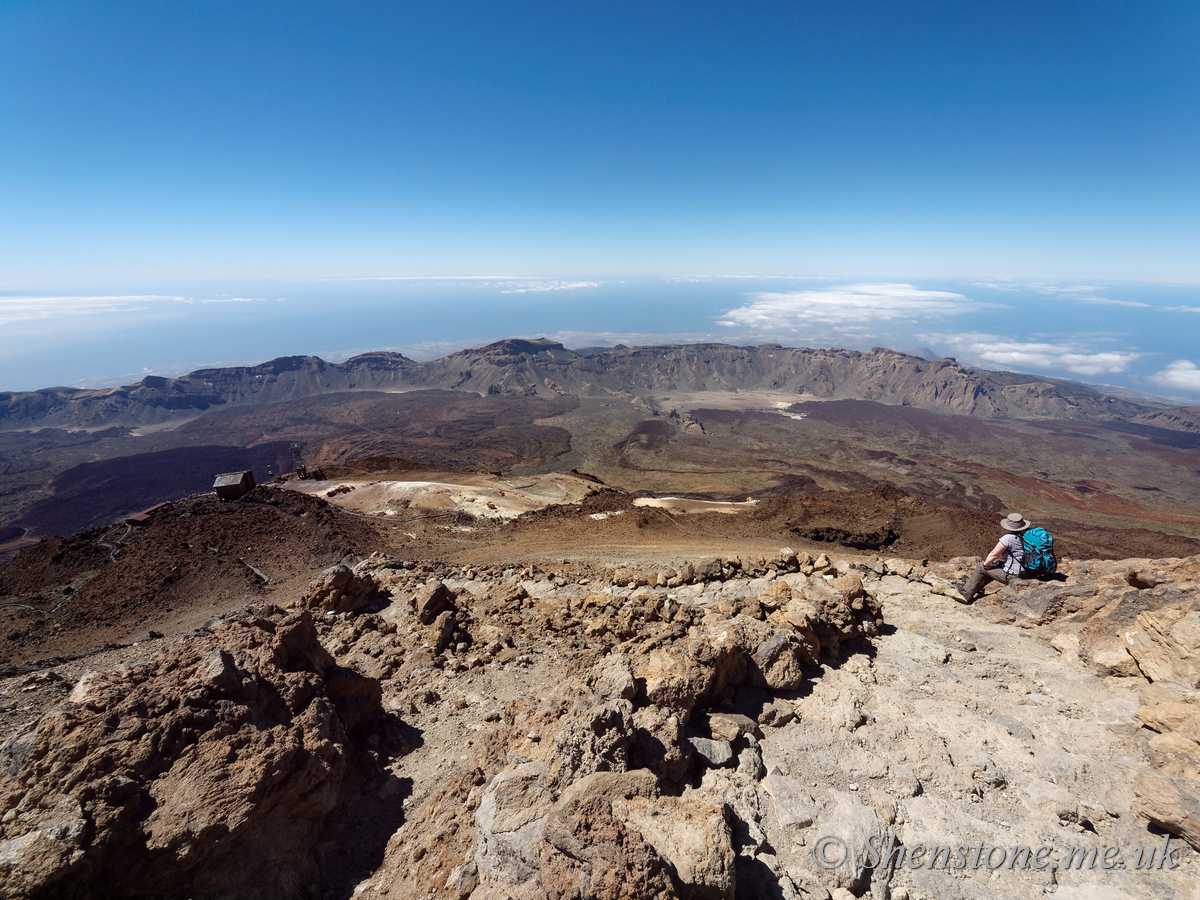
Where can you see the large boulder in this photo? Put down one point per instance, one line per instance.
(509, 823)
(612, 678)
(1171, 803)
(431, 601)
(708, 570)
(827, 611)
(659, 743)
(594, 740)
(342, 589)
(588, 854)
(206, 772)
(778, 661)
(692, 835)
(844, 822)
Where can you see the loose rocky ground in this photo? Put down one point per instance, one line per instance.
(198, 557)
(595, 701)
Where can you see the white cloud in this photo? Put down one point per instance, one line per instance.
(541, 286)
(235, 300)
(510, 284)
(634, 338)
(1084, 293)
(1038, 287)
(704, 279)
(1005, 353)
(1180, 374)
(848, 305)
(23, 309)
(429, 350)
(426, 278)
(1105, 301)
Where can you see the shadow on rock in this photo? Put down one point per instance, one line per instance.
(210, 770)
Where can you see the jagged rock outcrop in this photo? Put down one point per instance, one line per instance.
(947, 728)
(597, 796)
(1170, 802)
(588, 853)
(1114, 616)
(210, 770)
(1135, 619)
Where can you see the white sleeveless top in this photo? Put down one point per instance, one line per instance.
(1016, 553)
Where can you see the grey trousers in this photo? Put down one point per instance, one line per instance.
(981, 576)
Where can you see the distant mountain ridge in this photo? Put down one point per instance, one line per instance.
(546, 368)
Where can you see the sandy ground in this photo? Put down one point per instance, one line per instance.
(764, 401)
(482, 496)
(683, 505)
(143, 430)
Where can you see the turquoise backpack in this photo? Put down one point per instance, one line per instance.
(1039, 560)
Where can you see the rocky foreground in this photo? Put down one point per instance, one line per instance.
(793, 728)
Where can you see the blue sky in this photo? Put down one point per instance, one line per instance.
(280, 152)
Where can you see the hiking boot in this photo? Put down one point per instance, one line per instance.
(962, 596)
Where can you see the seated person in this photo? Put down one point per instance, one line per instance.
(1002, 563)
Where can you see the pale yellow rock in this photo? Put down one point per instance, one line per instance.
(1174, 754)
(1180, 717)
(691, 834)
(1067, 645)
(1166, 644)
(1170, 803)
(1109, 657)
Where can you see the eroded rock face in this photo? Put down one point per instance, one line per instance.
(206, 771)
(724, 652)
(595, 740)
(690, 833)
(1170, 802)
(510, 820)
(1112, 617)
(589, 854)
(659, 743)
(1166, 644)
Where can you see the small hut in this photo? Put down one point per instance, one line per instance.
(233, 485)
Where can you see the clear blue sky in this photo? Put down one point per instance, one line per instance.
(200, 139)
(149, 146)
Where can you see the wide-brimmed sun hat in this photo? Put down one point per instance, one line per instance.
(1014, 522)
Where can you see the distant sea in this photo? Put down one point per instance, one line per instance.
(1140, 337)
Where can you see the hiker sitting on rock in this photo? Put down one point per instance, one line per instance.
(1002, 563)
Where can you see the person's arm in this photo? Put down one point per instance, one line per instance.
(996, 555)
